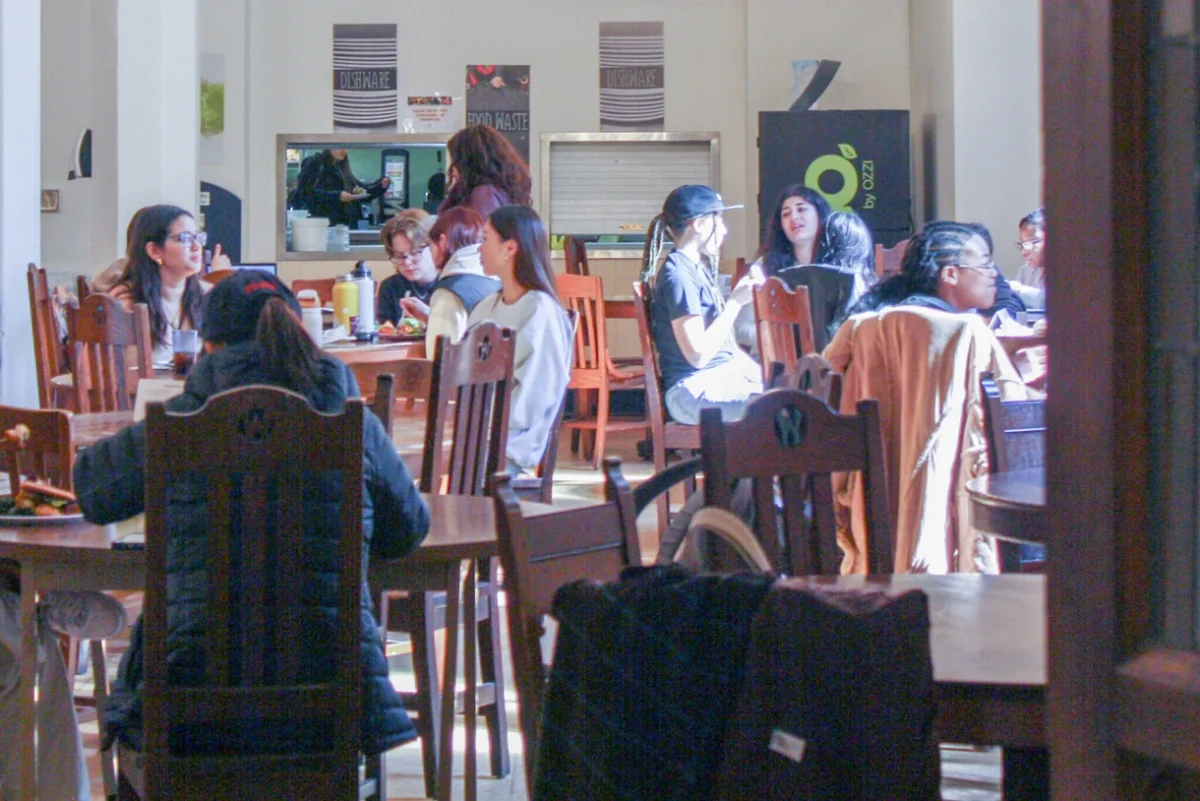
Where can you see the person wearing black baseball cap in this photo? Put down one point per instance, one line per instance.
(692, 325)
(253, 335)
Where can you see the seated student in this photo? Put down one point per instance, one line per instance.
(845, 269)
(947, 266)
(794, 237)
(253, 335)
(516, 250)
(111, 275)
(454, 244)
(691, 325)
(917, 346)
(406, 240)
(165, 260)
(1030, 283)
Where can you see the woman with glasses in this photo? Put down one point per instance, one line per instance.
(948, 266)
(406, 240)
(1030, 283)
(454, 243)
(164, 260)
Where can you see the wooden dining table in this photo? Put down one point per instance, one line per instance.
(81, 556)
(1010, 505)
(352, 352)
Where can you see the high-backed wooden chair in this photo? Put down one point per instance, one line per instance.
(102, 336)
(664, 435)
(794, 438)
(888, 260)
(784, 322)
(575, 256)
(83, 287)
(408, 379)
(258, 626)
(540, 554)
(470, 389)
(593, 373)
(740, 268)
(1016, 440)
(48, 352)
(322, 286)
(812, 374)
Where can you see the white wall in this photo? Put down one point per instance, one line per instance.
(68, 245)
(931, 27)
(869, 37)
(997, 117)
(977, 125)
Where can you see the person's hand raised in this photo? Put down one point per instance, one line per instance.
(346, 197)
(219, 260)
(415, 308)
(743, 293)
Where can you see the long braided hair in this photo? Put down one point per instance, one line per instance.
(939, 244)
(660, 240)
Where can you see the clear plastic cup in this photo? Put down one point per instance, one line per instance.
(184, 347)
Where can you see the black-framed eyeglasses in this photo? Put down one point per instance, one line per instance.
(189, 238)
(1029, 244)
(409, 257)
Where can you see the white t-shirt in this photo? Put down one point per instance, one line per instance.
(541, 368)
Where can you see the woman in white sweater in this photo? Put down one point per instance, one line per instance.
(517, 251)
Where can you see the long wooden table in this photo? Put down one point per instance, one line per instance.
(80, 556)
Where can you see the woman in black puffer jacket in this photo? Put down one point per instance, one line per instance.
(253, 335)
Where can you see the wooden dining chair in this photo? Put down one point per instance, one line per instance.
(49, 456)
(541, 553)
(406, 380)
(794, 439)
(784, 321)
(575, 256)
(469, 396)
(83, 287)
(258, 627)
(812, 374)
(49, 354)
(594, 375)
(888, 260)
(102, 337)
(665, 435)
(322, 286)
(1015, 431)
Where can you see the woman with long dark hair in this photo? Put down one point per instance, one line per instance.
(793, 238)
(162, 270)
(253, 335)
(516, 250)
(327, 187)
(692, 325)
(486, 172)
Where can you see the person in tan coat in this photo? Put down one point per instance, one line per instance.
(917, 347)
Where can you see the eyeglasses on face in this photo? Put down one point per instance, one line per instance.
(987, 269)
(410, 257)
(1029, 244)
(189, 238)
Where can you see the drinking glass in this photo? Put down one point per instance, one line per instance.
(184, 347)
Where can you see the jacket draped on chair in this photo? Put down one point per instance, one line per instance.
(923, 365)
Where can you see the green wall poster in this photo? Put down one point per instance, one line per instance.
(212, 108)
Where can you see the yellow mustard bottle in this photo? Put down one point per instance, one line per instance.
(345, 302)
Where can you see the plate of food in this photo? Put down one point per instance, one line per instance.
(39, 504)
(407, 330)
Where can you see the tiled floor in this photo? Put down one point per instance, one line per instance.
(968, 774)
